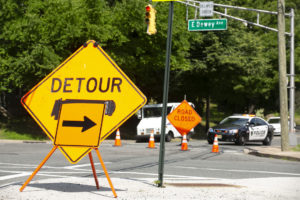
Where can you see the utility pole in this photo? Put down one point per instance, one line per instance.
(282, 76)
(292, 72)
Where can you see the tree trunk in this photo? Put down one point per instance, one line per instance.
(4, 112)
(282, 77)
(251, 109)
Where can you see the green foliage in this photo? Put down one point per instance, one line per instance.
(297, 148)
(21, 129)
(12, 135)
(237, 69)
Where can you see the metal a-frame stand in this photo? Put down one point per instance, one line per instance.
(92, 165)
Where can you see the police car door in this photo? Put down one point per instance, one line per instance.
(258, 129)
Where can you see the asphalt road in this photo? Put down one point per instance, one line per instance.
(135, 161)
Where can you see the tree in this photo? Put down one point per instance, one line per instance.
(236, 69)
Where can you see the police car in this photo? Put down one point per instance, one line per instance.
(241, 129)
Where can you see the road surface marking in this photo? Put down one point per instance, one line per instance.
(60, 172)
(78, 166)
(73, 167)
(2, 178)
(20, 165)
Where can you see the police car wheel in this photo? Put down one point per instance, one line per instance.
(241, 140)
(267, 141)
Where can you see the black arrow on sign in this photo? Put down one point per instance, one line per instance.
(85, 124)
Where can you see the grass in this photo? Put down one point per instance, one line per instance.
(12, 135)
(21, 129)
(297, 148)
(297, 118)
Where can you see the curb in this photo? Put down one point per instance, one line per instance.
(270, 155)
(24, 141)
(36, 142)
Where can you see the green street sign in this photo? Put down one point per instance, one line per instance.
(207, 24)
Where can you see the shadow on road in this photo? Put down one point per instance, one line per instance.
(69, 187)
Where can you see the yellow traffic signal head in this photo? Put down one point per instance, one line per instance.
(147, 17)
(150, 20)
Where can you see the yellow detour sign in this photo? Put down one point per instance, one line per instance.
(184, 118)
(88, 74)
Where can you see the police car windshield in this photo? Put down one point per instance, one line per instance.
(234, 121)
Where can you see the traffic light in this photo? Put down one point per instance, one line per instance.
(150, 20)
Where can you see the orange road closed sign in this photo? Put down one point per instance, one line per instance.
(184, 118)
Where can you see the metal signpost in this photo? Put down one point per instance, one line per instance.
(165, 96)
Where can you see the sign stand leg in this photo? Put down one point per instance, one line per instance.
(106, 174)
(94, 170)
(38, 168)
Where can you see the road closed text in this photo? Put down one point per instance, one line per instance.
(92, 84)
(184, 115)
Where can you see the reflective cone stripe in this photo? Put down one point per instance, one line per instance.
(184, 144)
(151, 141)
(118, 139)
(215, 148)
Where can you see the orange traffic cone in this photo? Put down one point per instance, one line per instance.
(118, 139)
(215, 148)
(151, 144)
(184, 144)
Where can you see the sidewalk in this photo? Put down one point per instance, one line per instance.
(24, 141)
(78, 188)
(273, 152)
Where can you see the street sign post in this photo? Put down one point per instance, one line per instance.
(87, 75)
(165, 96)
(207, 24)
(184, 118)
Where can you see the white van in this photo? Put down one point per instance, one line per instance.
(150, 116)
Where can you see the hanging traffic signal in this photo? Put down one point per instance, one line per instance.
(150, 20)
(147, 17)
